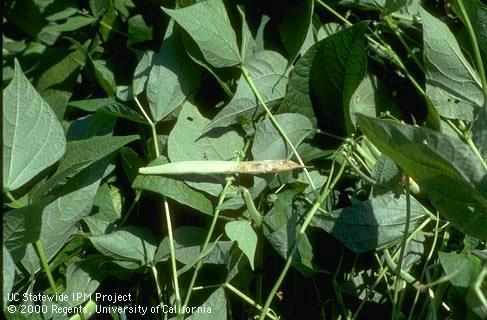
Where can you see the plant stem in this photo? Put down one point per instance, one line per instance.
(152, 126)
(393, 26)
(199, 264)
(475, 45)
(278, 127)
(158, 286)
(403, 250)
(11, 198)
(45, 265)
(173, 253)
(299, 236)
(247, 299)
(336, 14)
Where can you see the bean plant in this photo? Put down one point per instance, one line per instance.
(217, 159)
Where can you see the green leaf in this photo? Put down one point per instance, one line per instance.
(174, 189)
(452, 83)
(56, 83)
(281, 225)
(141, 73)
(129, 243)
(105, 77)
(443, 166)
(33, 138)
(479, 132)
(122, 111)
(97, 124)
(241, 231)
(294, 27)
(8, 274)
(99, 7)
(80, 154)
(186, 143)
(362, 4)
(391, 6)
(326, 77)
(371, 98)
(217, 303)
(461, 269)
(105, 215)
(208, 24)
(173, 77)
(71, 24)
(267, 70)
(138, 30)
(370, 224)
(268, 142)
(248, 46)
(82, 280)
(91, 105)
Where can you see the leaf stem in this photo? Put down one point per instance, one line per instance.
(403, 250)
(11, 198)
(475, 45)
(309, 217)
(199, 264)
(278, 127)
(244, 297)
(45, 265)
(152, 126)
(173, 253)
(158, 286)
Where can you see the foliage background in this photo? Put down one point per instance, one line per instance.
(94, 90)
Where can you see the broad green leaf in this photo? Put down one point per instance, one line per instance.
(141, 73)
(217, 303)
(80, 154)
(21, 227)
(109, 106)
(325, 78)
(247, 46)
(105, 77)
(82, 279)
(33, 138)
(174, 189)
(370, 224)
(443, 166)
(173, 77)
(108, 24)
(71, 24)
(461, 269)
(208, 24)
(138, 30)
(362, 4)
(479, 132)
(386, 173)
(99, 7)
(104, 212)
(91, 105)
(129, 243)
(280, 229)
(452, 83)
(391, 6)
(267, 69)
(328, 29)
(294, 27)
(241, 231)
(97, 124)
(371, 98)
(268, 142)
(59, 219)
(8, 274)
(131, 162)
(56, 84)
(186, 143)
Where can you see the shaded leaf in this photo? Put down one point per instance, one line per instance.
(129, 243)
(370, 224)
(443, 166)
